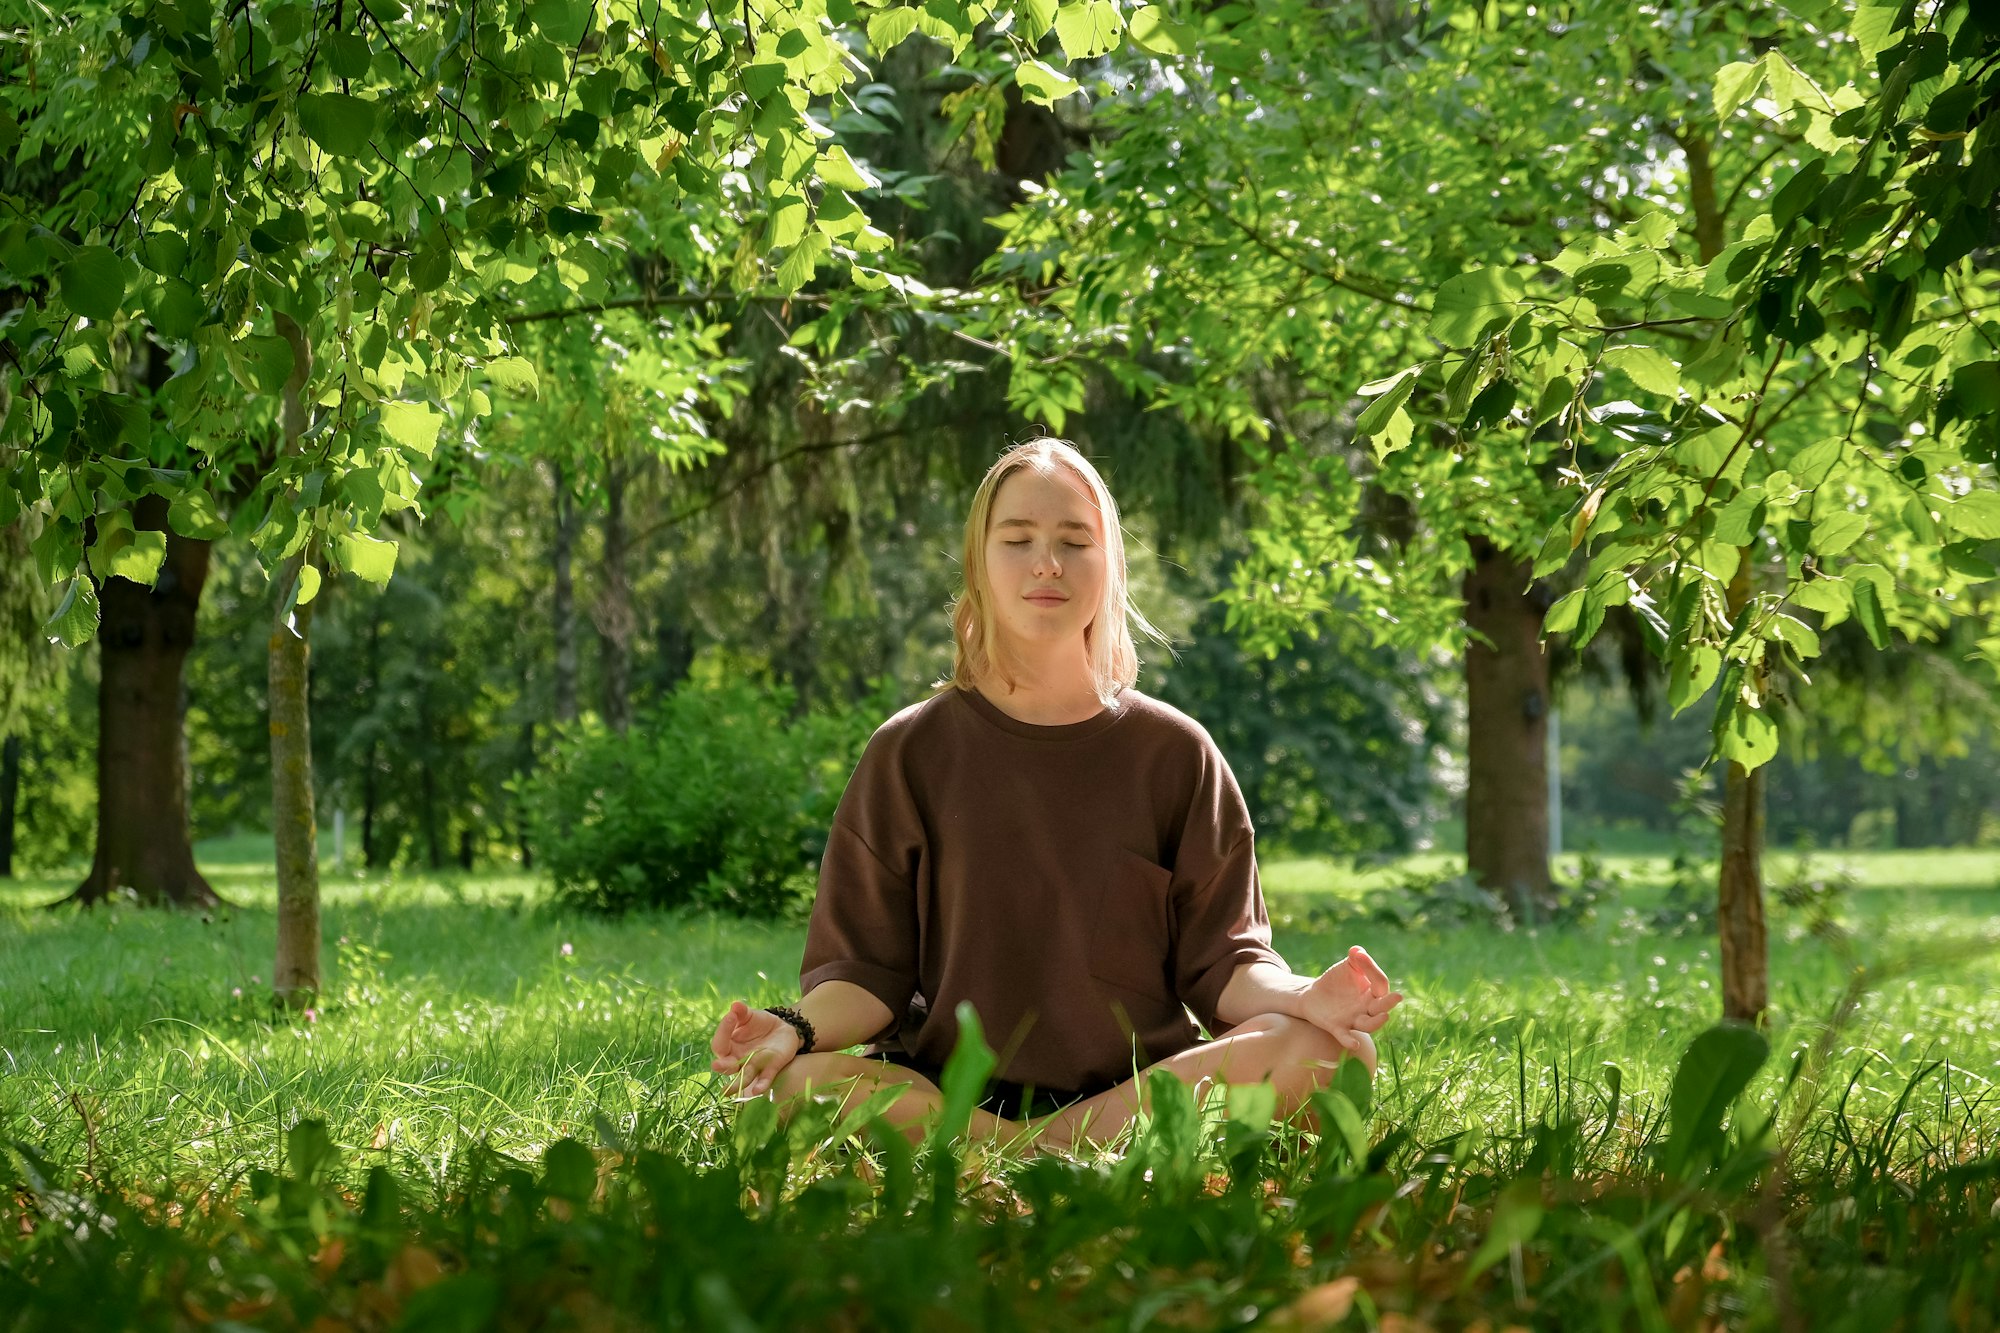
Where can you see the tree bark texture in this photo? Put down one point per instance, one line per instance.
(143, 638)
(613, 608)
(1507, 708)
(10, 791)
(1739, 915)
(562, 604)
(295, 972)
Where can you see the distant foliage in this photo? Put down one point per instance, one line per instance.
(719, 797)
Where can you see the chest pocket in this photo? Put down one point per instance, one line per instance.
(1131, 938)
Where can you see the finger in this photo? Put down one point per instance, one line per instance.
(1378, 980)
(726, 1064)
(725, 1031)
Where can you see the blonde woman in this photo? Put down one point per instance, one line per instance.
(1068, 855)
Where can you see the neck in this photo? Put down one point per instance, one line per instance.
(1053, 686)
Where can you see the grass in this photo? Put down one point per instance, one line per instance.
(466, 1028)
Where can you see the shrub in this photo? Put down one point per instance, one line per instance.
(718, 797)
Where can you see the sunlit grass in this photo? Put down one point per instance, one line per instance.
(460, 1009)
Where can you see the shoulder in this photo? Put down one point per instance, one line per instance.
(1160, 723)
(910, 727)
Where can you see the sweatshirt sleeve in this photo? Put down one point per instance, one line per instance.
(864, 917)
(1219, 915)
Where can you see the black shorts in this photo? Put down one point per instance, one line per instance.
(1009, 1101)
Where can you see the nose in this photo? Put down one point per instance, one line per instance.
(1046, 560)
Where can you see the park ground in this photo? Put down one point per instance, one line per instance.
(466, 1021)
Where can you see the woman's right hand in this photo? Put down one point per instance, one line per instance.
(753, 1045)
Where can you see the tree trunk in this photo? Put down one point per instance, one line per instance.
(1739, 915)
(295, 979)
(1507, 706)
(562, 604)
(143, 637)
(613, 609)
(10, 788)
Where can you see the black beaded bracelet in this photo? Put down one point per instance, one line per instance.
(799, 1022)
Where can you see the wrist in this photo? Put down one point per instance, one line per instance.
(801, 1026)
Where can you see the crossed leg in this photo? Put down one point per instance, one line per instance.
(1295, 1057)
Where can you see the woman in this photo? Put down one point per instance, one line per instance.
(1068, 855)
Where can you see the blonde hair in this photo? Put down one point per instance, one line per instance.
(1114, 661)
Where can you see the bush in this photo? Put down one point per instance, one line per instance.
(719, 797)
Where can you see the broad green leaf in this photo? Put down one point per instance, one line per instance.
(175, 309)
(338, 122)
(1040, 83)
(414, 426)
(802, 262)
(308, 585)
(1796, 634)
(1736, 84)
(762, 78)
(1390, 399)
(138, 560)
(1088, 28)
(1838, 531)
(1563, 616)
(266, 359)
(1394, 435)
(367, 557)
(840, 171)
(1693, 672)
(1515, 1220)
(1717, 1066)
(75, 618)
(1036, 17)
(1868, 611)
(1471, 303)
(514, 374)
(193, 514)
(1976, 515)
(1648, 367)
(1150, 31)
(93, 282)
(888, 29)
(788, 222)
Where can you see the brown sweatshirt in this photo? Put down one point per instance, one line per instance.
(1083, 886)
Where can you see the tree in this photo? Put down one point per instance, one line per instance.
(342, 208)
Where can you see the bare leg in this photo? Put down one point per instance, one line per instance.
(1292, 1055)
(855, 1079)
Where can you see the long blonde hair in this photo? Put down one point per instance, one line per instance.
(1114, 661)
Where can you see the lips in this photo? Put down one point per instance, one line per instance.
(1047, 598)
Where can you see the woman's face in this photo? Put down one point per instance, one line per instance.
(1045, 559)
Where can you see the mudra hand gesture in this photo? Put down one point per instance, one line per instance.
(1350, 1000)
(754, 1045)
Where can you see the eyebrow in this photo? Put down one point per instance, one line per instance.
(1029, 523)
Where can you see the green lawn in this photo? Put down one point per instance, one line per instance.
(139, 1047)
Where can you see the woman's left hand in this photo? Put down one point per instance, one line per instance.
(1350, 999)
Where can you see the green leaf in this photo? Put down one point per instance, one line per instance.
(1964, 559)
(175, 309)
(368, 557)
(75, 619)
(839, 170)
(164, 252)
(802, 262)
(788, 222)
(1868, 612)
(93, 282)
(138, 560)
(1976, 515)
(338, 122)
(193, 514)
(1515, 1220)
(1036, 17)
(1392, 394)
(1736, 84)
(1838, 531)
(268, 359)
(1567, 611)
(889, 28)
(308, 586)
(762, 78)
(1039, 83)
(1648, 367)
(1795, 634)
(1694, 670)
(1469, 304)
(566, 221)
(1713, 1073)
(1088, 28)
(513, 374)
(1151, 31)
(569, 1171)
(414, 426)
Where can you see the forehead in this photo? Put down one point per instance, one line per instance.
(1031, 497)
